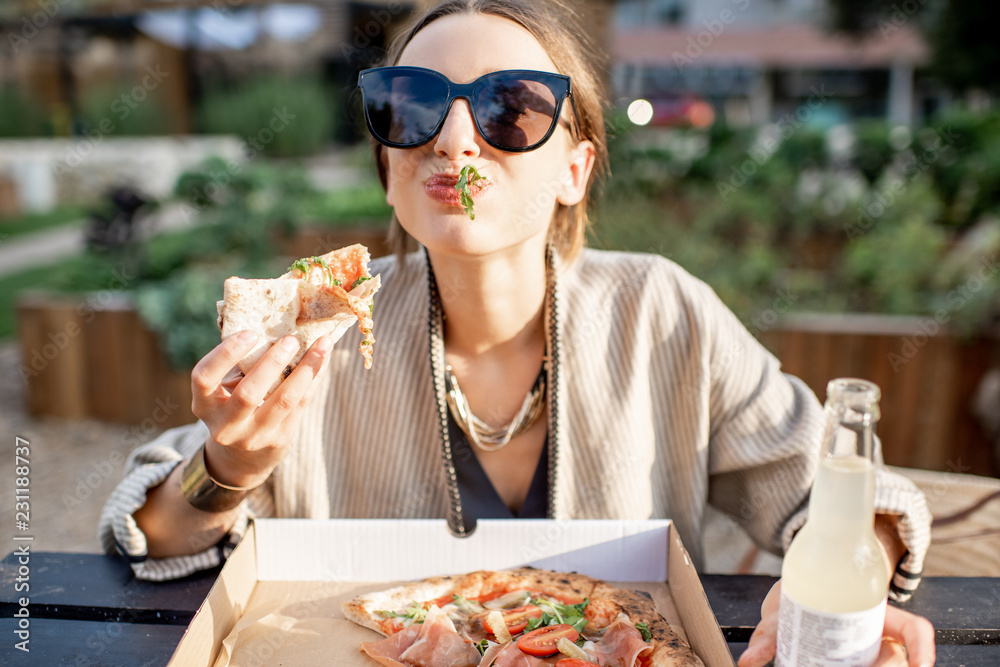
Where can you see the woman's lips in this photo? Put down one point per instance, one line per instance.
(441, 188)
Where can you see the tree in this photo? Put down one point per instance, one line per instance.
(961, 34)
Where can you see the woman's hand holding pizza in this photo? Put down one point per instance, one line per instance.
(250, 430)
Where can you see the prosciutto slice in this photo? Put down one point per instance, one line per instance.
(621, 645)
(511, 656)
(433, 643)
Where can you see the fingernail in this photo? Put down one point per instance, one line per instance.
(247, 337)
(324, 345)
(289, 344)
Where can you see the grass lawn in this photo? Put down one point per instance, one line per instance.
(37, 222)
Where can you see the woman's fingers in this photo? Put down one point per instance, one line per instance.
(249, 432)
(251, 391)
(294, 391)
(208, 373)
(764, 640)
(233, 378)
(914, 632)
(892, 654)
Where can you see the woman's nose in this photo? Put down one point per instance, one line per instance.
(458, 137)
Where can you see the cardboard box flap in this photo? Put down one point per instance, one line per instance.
(222, 609)
(702, 628)
(341, 549)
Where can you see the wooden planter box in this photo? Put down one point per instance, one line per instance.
(927, 374)
(89, 356)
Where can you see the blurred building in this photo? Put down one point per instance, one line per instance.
(101, 72)
(69, 55)
(69, 59)
(757, 62)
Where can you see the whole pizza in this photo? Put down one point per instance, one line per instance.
(517, 618)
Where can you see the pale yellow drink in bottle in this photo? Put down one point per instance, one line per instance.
(835, 576)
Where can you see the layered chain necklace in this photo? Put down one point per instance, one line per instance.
(481, 434)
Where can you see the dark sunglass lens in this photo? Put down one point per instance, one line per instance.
(515, 112)
(404, 108)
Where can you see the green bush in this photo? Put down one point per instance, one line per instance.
(181, 310)
(115, 111)
(891, 269)
(282, 117)
(870, 235)
(363, 205)
(240, 218)
(873, 151)
(244, 210)
(21, 115)
(961, 151)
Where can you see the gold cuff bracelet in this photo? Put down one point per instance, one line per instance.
(206, 494)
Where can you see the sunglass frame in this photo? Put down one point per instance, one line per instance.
(467, 92)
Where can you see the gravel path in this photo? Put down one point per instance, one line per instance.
(73, 464)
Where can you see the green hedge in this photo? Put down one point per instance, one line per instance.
(893, 222)
(21, 115)
(281, 117)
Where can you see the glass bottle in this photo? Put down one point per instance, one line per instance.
(835, 575)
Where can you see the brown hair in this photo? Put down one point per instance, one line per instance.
(557, 29)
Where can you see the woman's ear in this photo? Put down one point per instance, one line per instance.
(573, 188)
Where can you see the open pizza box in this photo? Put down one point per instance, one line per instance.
(277, 599)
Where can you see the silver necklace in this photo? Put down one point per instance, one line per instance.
(481, 434)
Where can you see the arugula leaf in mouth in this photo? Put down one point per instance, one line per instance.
(467, 177)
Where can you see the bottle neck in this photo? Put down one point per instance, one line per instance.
(843, 495)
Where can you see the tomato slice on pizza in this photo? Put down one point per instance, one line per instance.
(517, 618)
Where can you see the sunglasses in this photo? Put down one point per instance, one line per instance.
(513, 110)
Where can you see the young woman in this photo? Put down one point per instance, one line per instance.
(516, 374)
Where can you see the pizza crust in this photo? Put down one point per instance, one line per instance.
(669, 648)
(364, 609)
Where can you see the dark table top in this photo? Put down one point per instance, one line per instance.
(88, 609)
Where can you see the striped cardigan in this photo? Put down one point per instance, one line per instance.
(661, 402)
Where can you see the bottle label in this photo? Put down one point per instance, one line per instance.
(811, 638)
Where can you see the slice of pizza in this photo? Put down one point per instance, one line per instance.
(318, 296)
(517, 618)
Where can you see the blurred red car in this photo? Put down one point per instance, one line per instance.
(680, 110)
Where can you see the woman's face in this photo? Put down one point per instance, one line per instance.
(515, 206)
